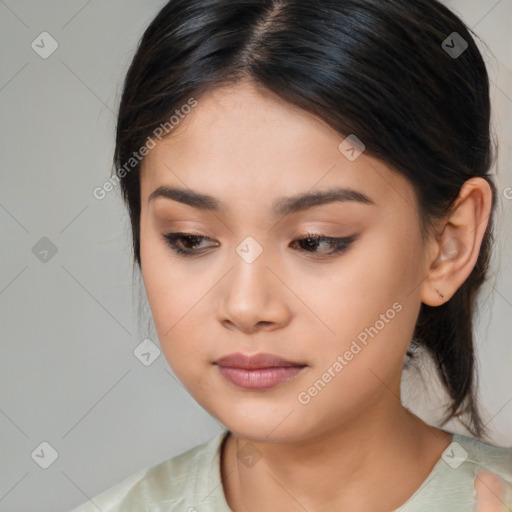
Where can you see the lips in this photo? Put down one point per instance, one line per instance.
(259, 372)
(262, 360)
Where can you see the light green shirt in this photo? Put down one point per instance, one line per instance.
(191, 482)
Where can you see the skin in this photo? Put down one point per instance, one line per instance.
(246, 148)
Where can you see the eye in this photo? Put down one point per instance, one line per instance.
(313, 240)
(187, 243)
(184, 243)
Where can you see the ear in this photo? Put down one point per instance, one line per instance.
(455, 245)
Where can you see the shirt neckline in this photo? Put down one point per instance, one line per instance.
(434, 472)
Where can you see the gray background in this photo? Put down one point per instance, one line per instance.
(68, 373)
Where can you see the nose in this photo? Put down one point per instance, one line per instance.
(253, 296)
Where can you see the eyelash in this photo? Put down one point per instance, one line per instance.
(174, 240)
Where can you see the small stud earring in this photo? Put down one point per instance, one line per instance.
(440, 294)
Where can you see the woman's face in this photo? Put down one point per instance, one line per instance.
(251, 287)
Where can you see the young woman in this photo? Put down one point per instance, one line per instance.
(311, 202)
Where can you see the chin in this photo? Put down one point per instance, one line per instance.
(263, 428)
(257, 434)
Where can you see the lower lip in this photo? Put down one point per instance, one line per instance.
(260, 378)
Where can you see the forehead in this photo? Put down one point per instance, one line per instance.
(244, 143)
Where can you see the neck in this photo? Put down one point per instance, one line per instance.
(347, 467)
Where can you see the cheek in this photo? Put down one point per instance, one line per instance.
(168, 285)
(366, 308)
(170, 295)
(351, 294)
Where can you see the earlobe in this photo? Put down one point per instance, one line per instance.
(458, 244)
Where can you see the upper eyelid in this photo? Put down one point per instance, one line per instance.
(302, 236)
(307, 233)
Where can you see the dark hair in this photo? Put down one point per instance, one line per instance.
(379, 70)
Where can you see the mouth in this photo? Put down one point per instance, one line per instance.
(257, 372)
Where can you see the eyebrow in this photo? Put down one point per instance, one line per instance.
(281, 206)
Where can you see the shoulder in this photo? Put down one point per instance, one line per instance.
(479, 455)
(450, 485)
(172, 481)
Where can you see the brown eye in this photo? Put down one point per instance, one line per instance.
(310, 243)
(184, 243)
